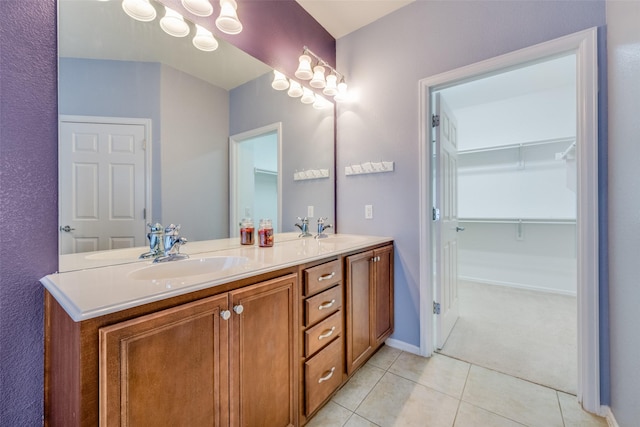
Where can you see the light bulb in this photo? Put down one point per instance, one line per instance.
(228, 21)
(342, 94)
(204, 40)
(140, 10)
(280, 81)
(332, 85)
(295, 89)
(318, 80)
(304, 68)
(198, 7)
(308, 97)
(173, 23)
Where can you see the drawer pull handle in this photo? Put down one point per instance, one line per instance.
(327, 276)
(327, 333)
(327, 304)
(327, 376)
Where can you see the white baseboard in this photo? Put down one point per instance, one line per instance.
(401, 345)
(606, 412)
(517, 285)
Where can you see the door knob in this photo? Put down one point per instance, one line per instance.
(66, 228)
(458, 229)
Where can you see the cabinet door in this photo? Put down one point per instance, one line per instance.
(166, 369)
(359, 306)
(383, 294)
(264, 343)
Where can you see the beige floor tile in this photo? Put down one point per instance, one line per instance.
(357, 421)
(439, 372)
(398, 402)
(519, 400)
(332, 415)
(384, 357)
(575, 416)
(472, 416)
(358, 386)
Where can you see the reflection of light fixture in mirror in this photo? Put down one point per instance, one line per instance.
(228, 21)
(140, 10)
(304, 68)
(331, 88)
(295, 89)
(198, 7)
(320, 103)
(342, 92)
(318, 77)
(204, 40)
(173, 23)
(280, 82)
(308, 97)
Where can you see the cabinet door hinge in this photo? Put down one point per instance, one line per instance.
(435, 120)
(435, 214)
(436, 307)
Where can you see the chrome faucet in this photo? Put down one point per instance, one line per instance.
(172, 244)
(304, 227)
(321, 227)
(155, 241)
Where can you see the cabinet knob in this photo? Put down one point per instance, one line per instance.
(238, 309)
(328, 375)
(327, 276)
(225, 314)
(375, 259)
(326, 305)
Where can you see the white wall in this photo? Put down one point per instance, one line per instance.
(623, 44)
(384, 62)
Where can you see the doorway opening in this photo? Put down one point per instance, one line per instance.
(256, 183)
(583, 45)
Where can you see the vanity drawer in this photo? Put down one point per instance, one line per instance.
(323, 333)
(323, 374)
(322, 305)
(322, 277)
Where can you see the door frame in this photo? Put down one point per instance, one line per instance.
(234, 142)
(584, 45)
(148, 143)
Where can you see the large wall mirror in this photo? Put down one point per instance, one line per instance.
(149, 113)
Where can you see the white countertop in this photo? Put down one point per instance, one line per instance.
(98, 290)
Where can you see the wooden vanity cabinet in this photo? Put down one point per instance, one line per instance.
(368, 303)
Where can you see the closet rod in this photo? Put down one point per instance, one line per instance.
(523, 144)
(561, 221)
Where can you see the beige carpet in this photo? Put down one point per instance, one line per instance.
(526, 334)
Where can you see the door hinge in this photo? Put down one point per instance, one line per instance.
(144, 144)
(436, 307)
(435, 214)
(144, 213)
(435, 120)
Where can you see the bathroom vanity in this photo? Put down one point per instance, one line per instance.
(238, 336)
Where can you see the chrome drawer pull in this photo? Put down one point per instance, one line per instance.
(326, 276)
(327, 333)
(326, 304)
(329, 375)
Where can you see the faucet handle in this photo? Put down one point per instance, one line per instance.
(304, 219)
(172, 230)
(321, 220)
(154, 228)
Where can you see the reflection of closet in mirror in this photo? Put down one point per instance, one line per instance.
(256, 183)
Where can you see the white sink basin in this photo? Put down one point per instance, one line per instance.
(187, 267)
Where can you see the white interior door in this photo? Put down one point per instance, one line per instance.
(446, 227)
(102, 186)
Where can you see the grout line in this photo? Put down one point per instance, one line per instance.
(560, 407)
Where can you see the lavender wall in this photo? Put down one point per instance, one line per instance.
(384, 62)
(28, 200)
(29, 177)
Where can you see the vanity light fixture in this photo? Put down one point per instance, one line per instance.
(280, 81)
(198, 7)
(308, 97)
(320, 103)
(304, 68)
(140, 10)
(228, 21)
(342, 94)
(204, 40)
(173, 23)
(295, 89)
(318, 80)
(331, 89)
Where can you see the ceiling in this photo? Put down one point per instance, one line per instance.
(341, 17)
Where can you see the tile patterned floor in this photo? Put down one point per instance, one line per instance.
(399, 389)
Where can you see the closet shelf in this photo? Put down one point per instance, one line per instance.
(264, 171)
(566, 140)
(559, 221)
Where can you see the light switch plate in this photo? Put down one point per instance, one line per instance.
(368, 211)
(309, 211)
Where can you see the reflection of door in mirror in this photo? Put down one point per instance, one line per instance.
(102, 172)
(255, 176)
